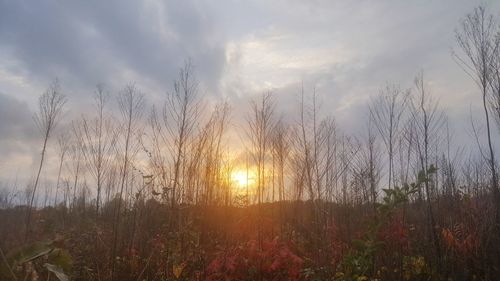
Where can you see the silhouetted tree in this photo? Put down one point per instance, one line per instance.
(50, 108)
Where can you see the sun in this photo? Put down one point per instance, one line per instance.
(242, 178)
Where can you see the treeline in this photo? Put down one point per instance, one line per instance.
(150, 194)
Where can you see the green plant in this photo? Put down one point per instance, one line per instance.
(359, 263)
(33, 259)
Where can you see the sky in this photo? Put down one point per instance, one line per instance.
(345, 50)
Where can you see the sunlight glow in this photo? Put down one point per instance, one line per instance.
(242, 178)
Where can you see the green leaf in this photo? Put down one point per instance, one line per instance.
(359, 244)
(421, 177)
(61, 258)
(432, 169)
(35, 251)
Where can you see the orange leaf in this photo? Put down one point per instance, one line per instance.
(177, 269)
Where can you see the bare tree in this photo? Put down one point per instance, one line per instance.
(281, 150)
(260, 123)
(158, 158)
(63, 146)
(76, 149)
(494, 99)
(429, 121)
(50, 108)
(98, 139)
(210, 139)
(314, 142)
(367, 164)
(131, 103)
(450, 162)
(181, 119)
(387, 113)
(478, 39)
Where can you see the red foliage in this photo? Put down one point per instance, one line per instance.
(274, 261)
(461, 239)
(396, 234)
(338, 247)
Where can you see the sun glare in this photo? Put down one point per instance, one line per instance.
(243, 178)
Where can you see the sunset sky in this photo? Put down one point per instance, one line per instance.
(345, 50)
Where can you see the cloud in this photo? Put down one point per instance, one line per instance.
(15, 118)
(17, 133)
(84, 43)
(348, 50)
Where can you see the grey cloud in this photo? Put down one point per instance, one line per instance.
(17, 135)
(88, 42)
(15, 119)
